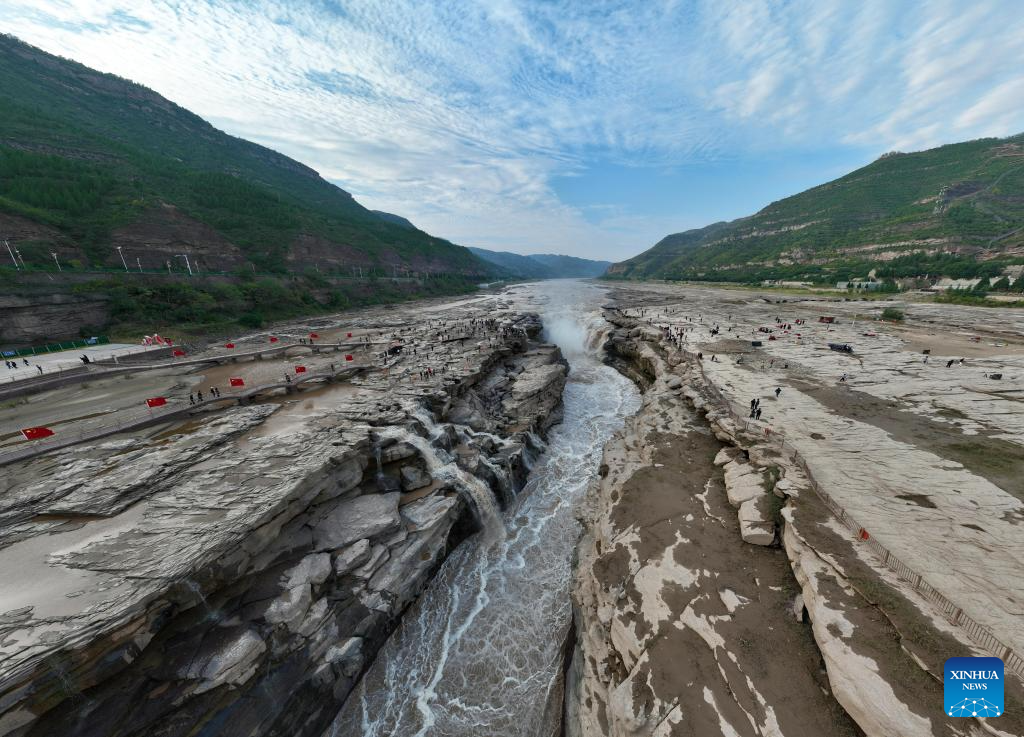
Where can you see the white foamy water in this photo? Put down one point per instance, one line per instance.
(480, 652)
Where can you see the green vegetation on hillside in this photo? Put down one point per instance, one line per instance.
(86, 153)
(200, 307)
(959, 207)
(542, 266)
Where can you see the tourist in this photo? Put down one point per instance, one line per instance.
(199, 396)
(778, 391)
(38, 368)
(191, 399)
(757, 414)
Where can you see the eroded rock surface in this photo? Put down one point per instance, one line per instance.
(237, 573)
(684, 627)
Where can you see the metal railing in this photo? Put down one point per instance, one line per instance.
(976, 631)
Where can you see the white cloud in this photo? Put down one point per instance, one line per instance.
(460, 116)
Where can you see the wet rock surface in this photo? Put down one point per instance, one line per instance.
(237, 573)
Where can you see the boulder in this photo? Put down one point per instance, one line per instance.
(725, 455)
(414, 477)
(426, 513)
(313, 569)
(742, 482)
(232, 661)
(756, 525)
(352, 557)
(363, 517)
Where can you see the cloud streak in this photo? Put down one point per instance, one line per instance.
(464, 116)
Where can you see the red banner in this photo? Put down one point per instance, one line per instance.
(349, 335)
(36, 433)
(348, 357)
(179, 352)
(314, 335)
(156, 401)
(229, 345)
(300, 369)
(235, 381)
(273, 339)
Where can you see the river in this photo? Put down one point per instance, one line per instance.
(480, 652)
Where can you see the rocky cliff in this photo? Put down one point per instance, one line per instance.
(236, 575)
(716, 594)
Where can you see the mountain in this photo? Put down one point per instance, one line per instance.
(395, 219)
(95, 168)
(514, 264)
(542, 266)
(571, 266)
(955, 209)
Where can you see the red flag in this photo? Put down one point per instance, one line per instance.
(273, 339)
(314, 335)
(229, 345)
(235, 381)
(179, 352)
(36, 433)
(156, 401)
(348, 357)
(300, 369)
(350, 335)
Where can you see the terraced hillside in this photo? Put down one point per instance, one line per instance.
(914, 213)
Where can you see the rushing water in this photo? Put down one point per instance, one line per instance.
(480, 652)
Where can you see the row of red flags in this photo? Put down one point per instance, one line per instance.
(38, 433)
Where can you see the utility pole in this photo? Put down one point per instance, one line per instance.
(16, 267)
(54, 254)
(121, 254)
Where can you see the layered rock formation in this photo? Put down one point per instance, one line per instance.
(236, 575)
(716, 593)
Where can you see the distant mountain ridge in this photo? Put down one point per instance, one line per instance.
(907, 212)
(543, 266)
(98, 169)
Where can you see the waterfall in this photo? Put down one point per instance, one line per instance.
(442, 467)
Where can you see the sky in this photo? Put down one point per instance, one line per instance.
(583, 127)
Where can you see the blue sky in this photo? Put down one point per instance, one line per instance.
(584, 127)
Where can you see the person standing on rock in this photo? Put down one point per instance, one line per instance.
(191, 399)
(778, 391)
(757, 414)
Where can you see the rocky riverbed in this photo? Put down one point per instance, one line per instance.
(720, 588)
(235, 574)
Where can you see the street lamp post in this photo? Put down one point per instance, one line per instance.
(16, 267)
(121, 254)
(187, 264)
(55, 260)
